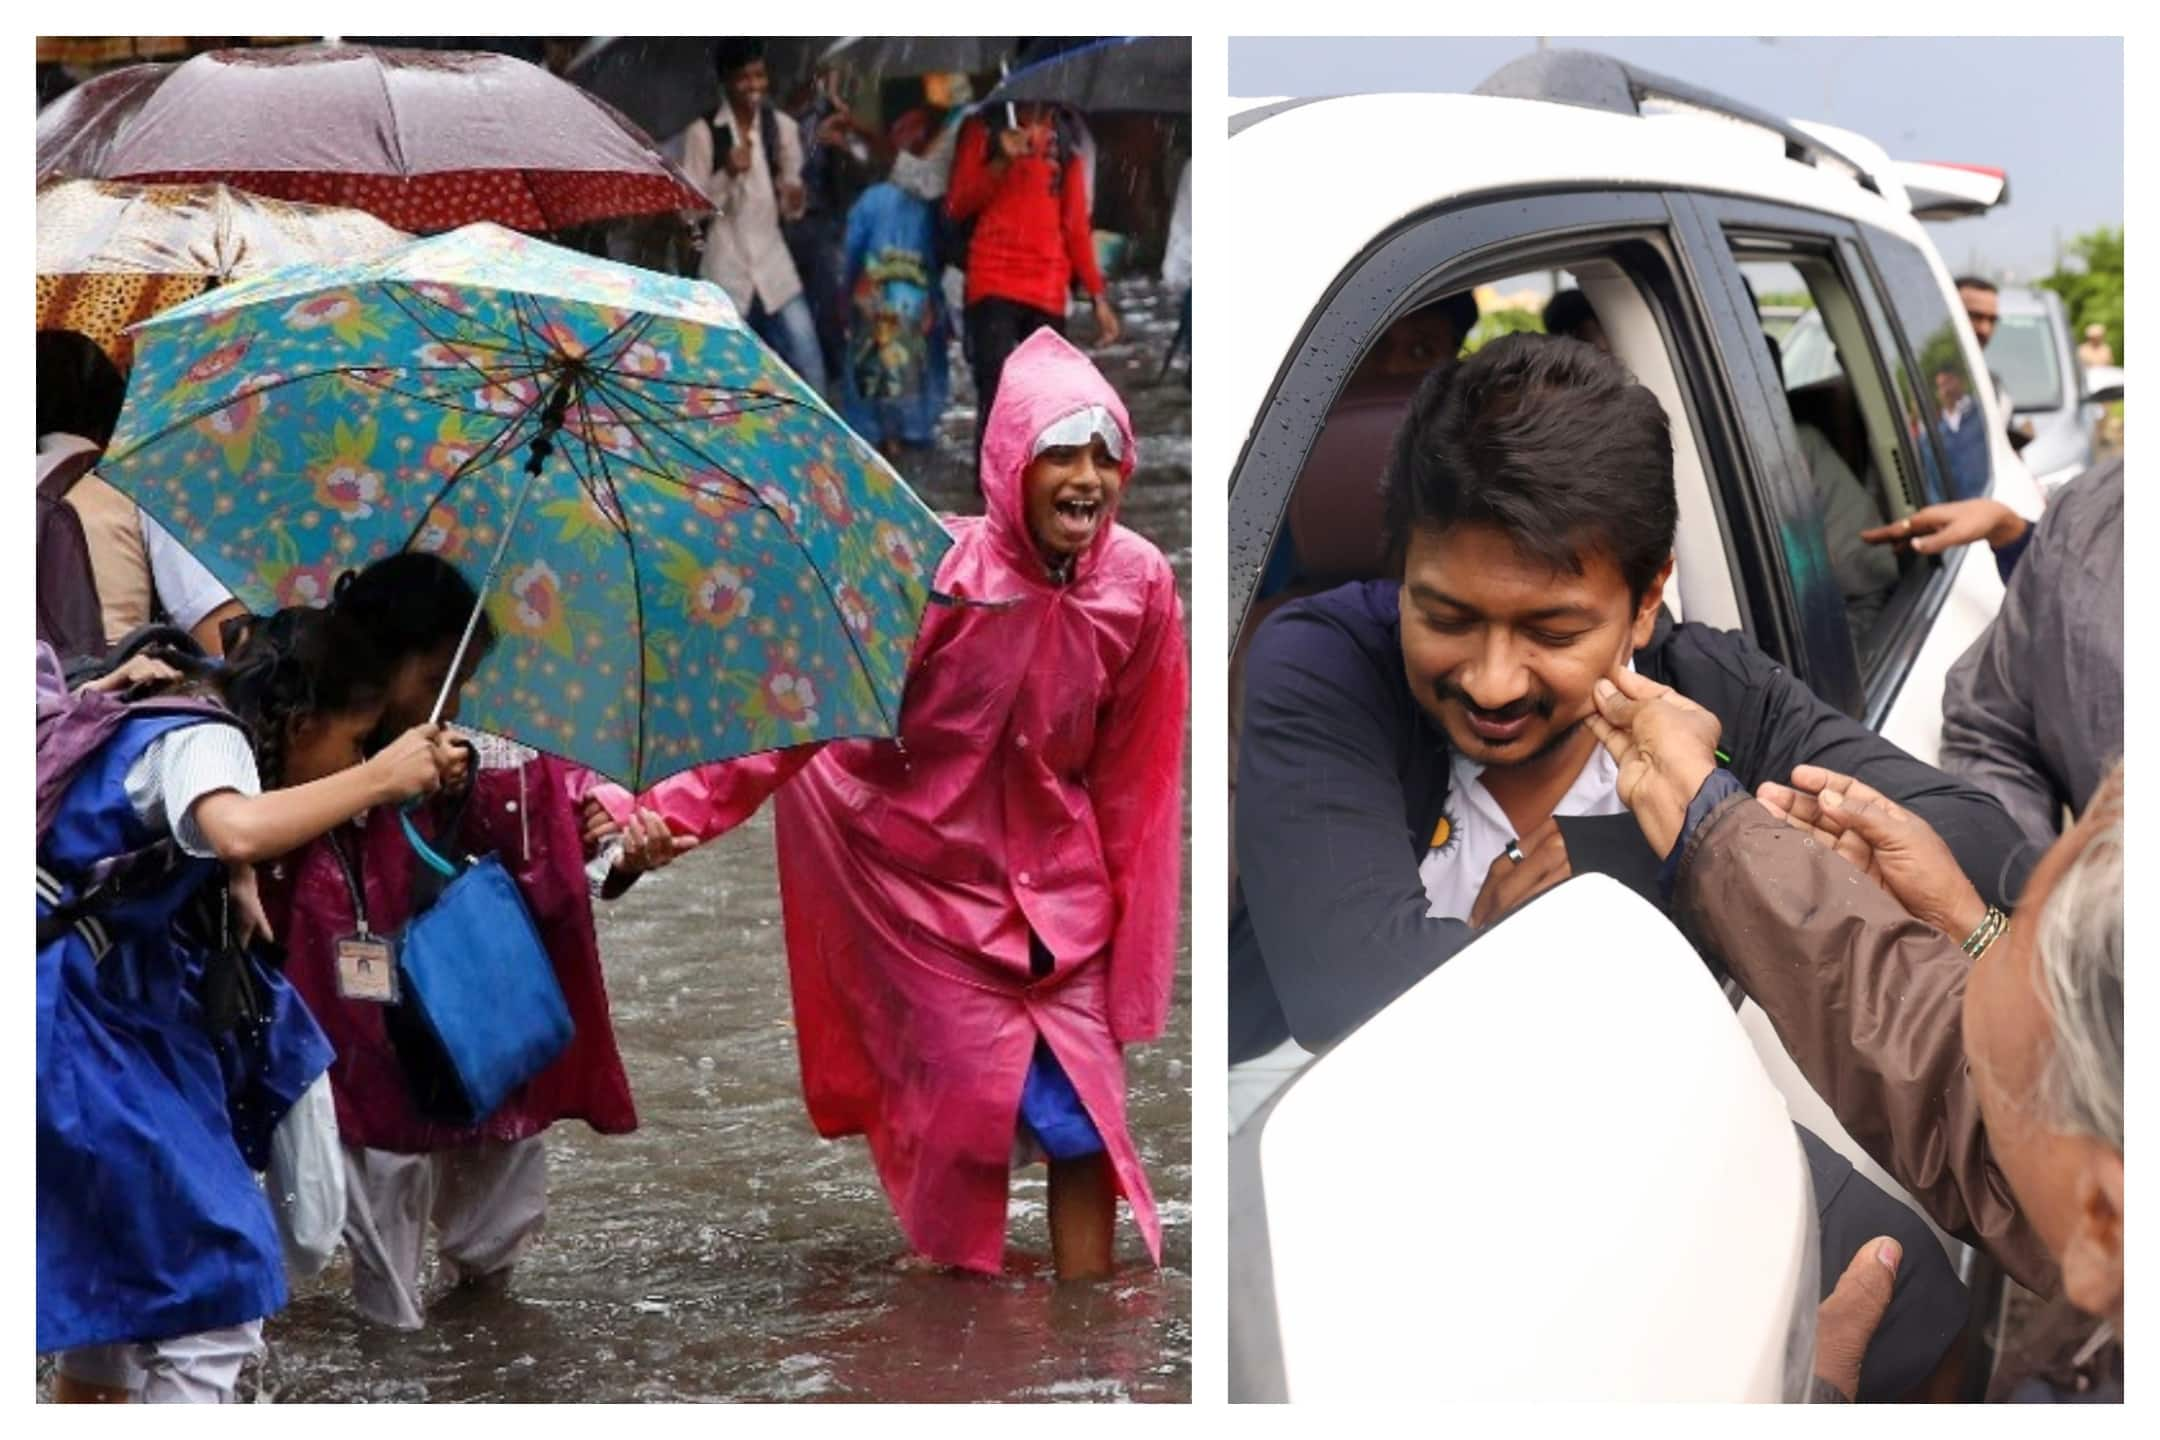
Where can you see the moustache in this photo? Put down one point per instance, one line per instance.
(1539, 704)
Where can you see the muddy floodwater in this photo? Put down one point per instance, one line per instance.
(724, 1251)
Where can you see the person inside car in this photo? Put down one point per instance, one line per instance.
(1432, 335)
(1414, 763)
(1568, 314)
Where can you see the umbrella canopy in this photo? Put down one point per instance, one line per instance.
(1132, 72)
(663, 82)
(666, 83)
(686, 555)
(110, 255)
(424, 140)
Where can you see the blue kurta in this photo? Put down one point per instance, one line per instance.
(149, 1221)
(895, 383)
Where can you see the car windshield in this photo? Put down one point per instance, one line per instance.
(2023, 354)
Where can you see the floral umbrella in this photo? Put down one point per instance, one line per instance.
(686, 555)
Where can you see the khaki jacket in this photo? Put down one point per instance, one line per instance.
(1870, 1004)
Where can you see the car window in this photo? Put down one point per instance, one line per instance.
(1842, 421)
(2023, 354)
(1942, 395)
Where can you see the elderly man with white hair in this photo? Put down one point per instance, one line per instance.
(1977, 1057)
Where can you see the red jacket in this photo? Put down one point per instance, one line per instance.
(1032, 233)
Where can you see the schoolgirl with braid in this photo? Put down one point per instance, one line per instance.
(158, 1256)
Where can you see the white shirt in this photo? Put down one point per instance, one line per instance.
(745, 253)
(187, 591)
(1478, 829)
(181, 767)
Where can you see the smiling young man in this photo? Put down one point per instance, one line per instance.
(1414, 762)
(1405, 740)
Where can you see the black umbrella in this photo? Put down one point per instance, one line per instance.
(904, 55)
(666, 82)
(1131, 72)
(663, 82)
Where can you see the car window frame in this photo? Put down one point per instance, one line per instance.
(1789, 554)
(1411, 262)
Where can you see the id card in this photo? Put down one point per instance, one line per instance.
(367, 968)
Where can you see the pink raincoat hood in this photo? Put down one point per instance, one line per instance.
(1045, 380)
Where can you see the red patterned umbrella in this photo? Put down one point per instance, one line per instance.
(424, 140)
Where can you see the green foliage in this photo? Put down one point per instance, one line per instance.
(1786, 299)
(1491, 327)
(2093, 293)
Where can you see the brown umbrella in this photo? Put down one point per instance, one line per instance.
(110, 255)
(424, 140)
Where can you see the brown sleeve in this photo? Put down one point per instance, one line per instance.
(1870, 1003)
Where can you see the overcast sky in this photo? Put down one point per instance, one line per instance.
(2050, 112)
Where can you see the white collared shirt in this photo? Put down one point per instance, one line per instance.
(1477, 829)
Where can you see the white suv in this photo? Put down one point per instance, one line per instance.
(1691, 225)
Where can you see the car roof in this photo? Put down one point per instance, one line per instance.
(1348, 168)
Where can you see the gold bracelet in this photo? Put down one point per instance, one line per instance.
(1986, 933)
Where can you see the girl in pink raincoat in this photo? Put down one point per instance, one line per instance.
(980, 918)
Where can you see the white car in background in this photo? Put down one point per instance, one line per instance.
(2063, 400)
(1671, 209)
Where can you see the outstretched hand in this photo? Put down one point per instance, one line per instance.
(1896, 848)
(1937, 528)
(647, 844)
(1666, 746)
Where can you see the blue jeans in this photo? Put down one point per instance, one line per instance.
(793, 334)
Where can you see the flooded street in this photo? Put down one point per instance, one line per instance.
(724, 1251)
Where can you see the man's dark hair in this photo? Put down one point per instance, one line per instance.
(1551, 440)
(79, 389)
(1974, 282)
(1567, 312)
(734, 52)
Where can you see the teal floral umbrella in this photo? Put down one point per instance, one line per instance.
(686, 555)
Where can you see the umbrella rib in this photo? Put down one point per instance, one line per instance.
(824, 584)
(619, 520)
(637, 595)
(663, 478)
(453, 346)
(509, 340)
(620, 397)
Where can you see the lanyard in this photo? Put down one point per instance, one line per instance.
(352, 881)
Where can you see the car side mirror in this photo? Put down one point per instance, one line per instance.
(2103, 384)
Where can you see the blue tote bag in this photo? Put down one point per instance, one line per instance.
(481, 1012)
